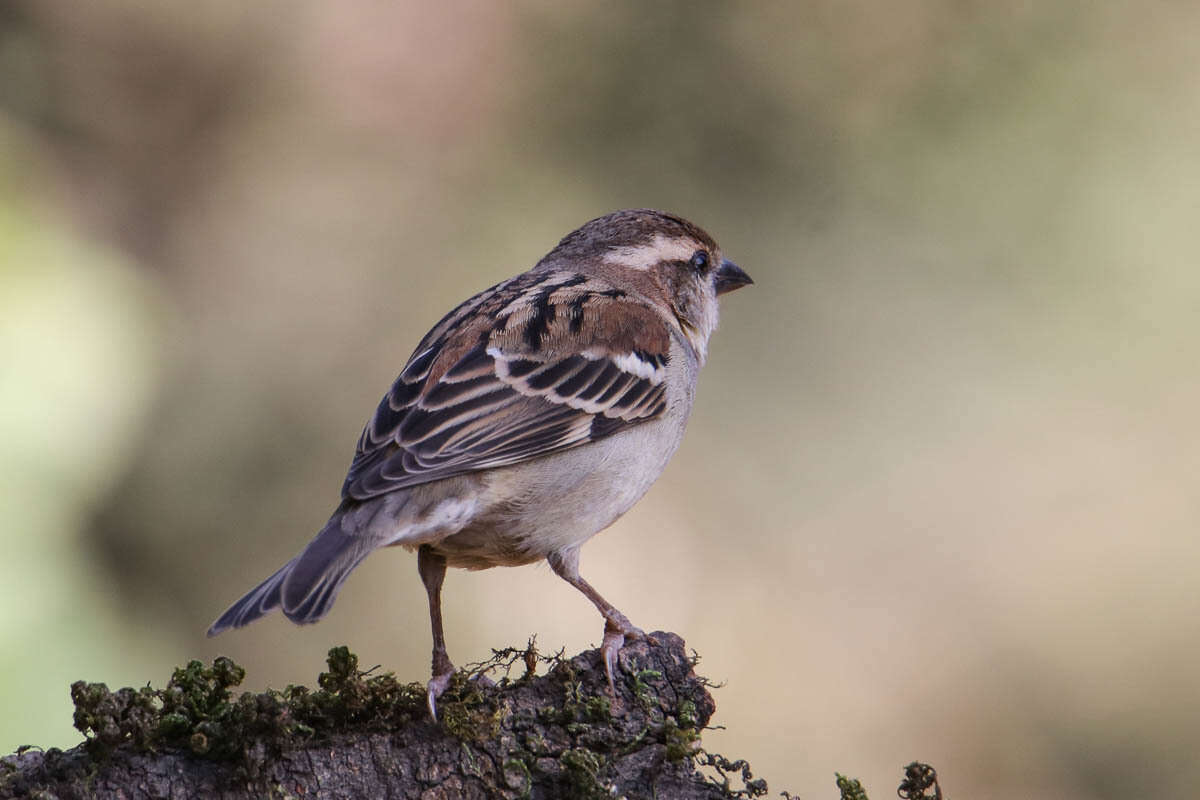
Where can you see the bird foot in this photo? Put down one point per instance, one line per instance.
(437, 684)
(618, 629)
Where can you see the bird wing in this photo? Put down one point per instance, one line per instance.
(538, 364)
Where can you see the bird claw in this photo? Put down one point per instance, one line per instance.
(437, 684)
(616, 631)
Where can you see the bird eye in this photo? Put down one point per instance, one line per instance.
(699, 260)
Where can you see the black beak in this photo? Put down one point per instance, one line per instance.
(729, 277)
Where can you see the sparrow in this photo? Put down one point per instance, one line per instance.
(527, 420)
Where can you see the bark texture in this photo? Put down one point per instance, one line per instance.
(557, 734)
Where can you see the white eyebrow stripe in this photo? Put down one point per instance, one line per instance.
(643, 257)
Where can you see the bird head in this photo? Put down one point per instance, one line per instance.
(667, 260)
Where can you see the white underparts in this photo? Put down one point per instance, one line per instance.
(448, 516)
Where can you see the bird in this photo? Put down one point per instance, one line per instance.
(531, 417)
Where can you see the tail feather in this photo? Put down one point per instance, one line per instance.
(316, 575)
(261, 600)
(306, 586)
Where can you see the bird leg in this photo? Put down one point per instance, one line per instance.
(432, 568)
(617, 627)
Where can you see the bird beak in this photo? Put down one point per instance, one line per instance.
(729, 277)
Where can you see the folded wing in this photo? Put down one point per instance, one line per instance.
(535, 365)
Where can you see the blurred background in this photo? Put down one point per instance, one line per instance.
(938, 499)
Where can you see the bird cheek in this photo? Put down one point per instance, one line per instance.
(690, 302)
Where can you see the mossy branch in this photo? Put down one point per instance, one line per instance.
(551, 731)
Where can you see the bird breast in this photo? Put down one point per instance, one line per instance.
(559, 501)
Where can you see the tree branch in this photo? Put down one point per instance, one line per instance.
(557, 734)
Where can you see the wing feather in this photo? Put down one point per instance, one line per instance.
(535, 365)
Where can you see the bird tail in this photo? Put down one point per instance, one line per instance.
(258, 602)
(316, 575)
(306, 586)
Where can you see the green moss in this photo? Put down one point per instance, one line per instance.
(850, 788)
(468, 713)
(517, 776)
(680, 742)
(642, 688)
(687, 714)
(199, 712)
(598, 708)
(581, 769)
(196, 711)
